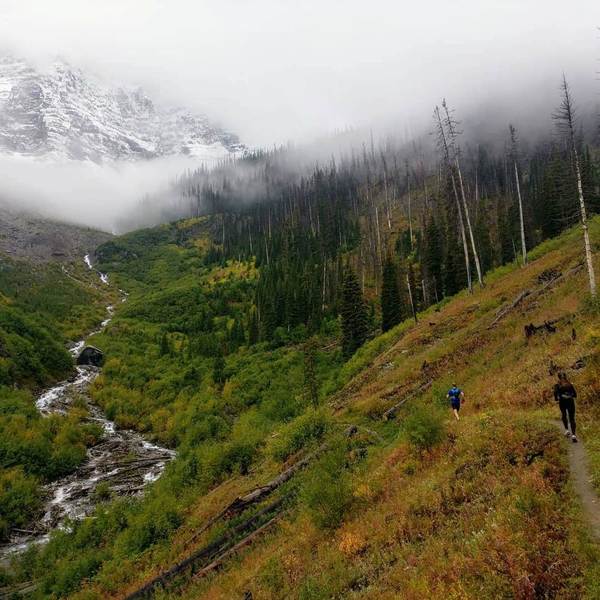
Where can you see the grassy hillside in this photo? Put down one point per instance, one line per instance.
(418, 506)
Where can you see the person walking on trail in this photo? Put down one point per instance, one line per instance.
(456, 397)
(565, 394)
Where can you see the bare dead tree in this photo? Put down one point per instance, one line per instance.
(451, 126)
(411, 299)
(442, 143)
(566, 118)
(410, 227)
(386, 191)
(514, 151)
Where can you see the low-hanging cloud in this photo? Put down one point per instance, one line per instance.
(86, 193)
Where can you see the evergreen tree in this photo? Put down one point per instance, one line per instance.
(218, 374)
(354, 314)
(454, 265)
(165, 346)
(237, 336)
(268, 316)
(506, 238)
(484, 243)
(433, 258)
(590, 181)
(311, 384)
(253, 332)
(391, 308)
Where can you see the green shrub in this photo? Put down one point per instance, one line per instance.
(68, 579)
(326, 489)
(102, 492)
(152, 524)
(20, 498)
(307, 428)
(424, 427)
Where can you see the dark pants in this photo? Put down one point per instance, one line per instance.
(567, 407)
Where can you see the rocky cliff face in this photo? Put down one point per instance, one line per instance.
(64, 113)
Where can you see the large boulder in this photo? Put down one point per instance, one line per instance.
(91, 356)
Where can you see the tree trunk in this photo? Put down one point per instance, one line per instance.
(522, 222)
(387, 195)
(443, 143)
(410, 227)
(471, 236)
(584, 225)
(566, 119)
(463, 236)
(410, 296)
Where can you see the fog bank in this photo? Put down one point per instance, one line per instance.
(85, 193)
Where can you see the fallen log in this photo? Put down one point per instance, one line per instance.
(25, 531)
(505, 310)
(257, 494)
(247, 540)
(134, 463)
(390, 413)
(18, 589)
(216, 549)
(556, 277)
(238, 505)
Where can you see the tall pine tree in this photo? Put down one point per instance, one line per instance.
(433, 258)
(354, 314)
(391, 308)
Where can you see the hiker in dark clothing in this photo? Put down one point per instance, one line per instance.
(565, 394)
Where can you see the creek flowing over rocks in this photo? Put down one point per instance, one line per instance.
(122, 463)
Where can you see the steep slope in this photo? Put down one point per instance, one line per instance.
(489, 495)
(292, 498)
(27, 236)
(63, 113)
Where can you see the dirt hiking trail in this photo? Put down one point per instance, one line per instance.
(581, 479)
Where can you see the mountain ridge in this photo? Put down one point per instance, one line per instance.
(62, 112)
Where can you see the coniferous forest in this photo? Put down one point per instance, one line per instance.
(416, 222)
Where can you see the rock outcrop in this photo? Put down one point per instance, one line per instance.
(91, 355)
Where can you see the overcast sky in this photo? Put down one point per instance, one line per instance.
(275, 70)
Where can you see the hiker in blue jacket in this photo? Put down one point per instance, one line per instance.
(456, 397)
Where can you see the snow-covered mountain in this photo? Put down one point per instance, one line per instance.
(64, 113)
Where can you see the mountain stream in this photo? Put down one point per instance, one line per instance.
(123, 462)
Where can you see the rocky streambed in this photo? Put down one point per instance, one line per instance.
(122, 463)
